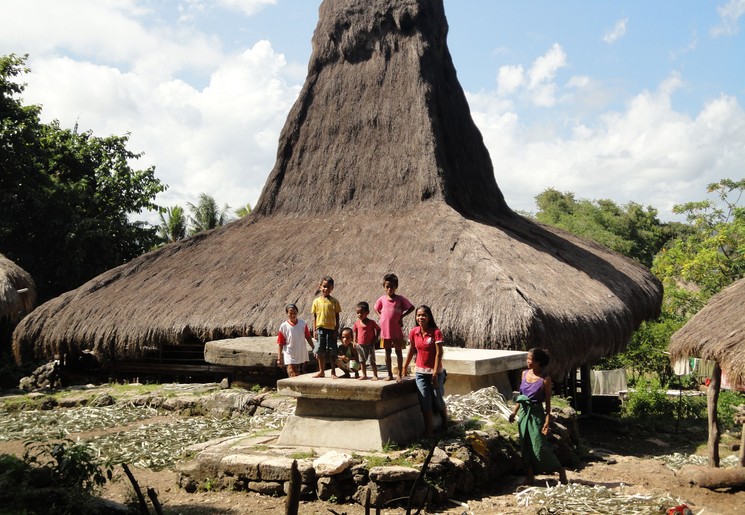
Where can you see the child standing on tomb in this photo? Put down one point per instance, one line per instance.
(366, 332)
(426, 341)
(292, 336)
(326, 311)
(392, 308)
(533, 425)
(348, 360)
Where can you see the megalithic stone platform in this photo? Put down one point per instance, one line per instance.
(351, 414)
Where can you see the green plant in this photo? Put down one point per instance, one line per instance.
(650, 402)
(333, 499)
(301, 455)
(390, 446)
(72, 465)
(728, 400)
(209, 484)
(256, 388)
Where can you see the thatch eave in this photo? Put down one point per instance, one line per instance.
(511, 287)
(716, 333)
(17, 291)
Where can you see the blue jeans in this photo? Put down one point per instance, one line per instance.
(326, 344)
(430, 397)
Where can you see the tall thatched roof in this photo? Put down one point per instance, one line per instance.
(379, 169)
(717, 333)
(17, 291)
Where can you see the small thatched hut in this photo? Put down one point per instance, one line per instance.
(380, 168)
(716, 333)
(17, 297)
(17, 291)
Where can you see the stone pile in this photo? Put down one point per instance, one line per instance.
(462, 464)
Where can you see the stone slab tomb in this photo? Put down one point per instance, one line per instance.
(351, 414)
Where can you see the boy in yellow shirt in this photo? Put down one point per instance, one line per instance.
(325, 312)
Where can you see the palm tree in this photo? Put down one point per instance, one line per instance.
(206, 215)
(173, 224)
(243, 211)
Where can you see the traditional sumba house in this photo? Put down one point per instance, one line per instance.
(717, 333)
(380, 168)
(17, 298)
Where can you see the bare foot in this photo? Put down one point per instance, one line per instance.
(362, 378)
(319, 375)
(399, 379)
(389, 378)
(333, 376)
(375, 378)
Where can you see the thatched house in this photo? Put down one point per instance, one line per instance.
(716, 333)
(380, 168)
(17, 297)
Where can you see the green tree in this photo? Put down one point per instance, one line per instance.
(632, 230)
(700, 262)
(712, 256)
(206, 215)
(172, 224)
(243, 211)
(66, 197)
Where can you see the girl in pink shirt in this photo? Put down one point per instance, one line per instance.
(392, 309)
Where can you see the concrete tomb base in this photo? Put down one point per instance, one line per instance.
(351, 414)
(472, 369)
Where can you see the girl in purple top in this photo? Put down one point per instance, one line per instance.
(533, 425)
(392, 309)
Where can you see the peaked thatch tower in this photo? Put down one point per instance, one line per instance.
(379, 168)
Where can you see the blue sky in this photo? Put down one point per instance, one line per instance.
(631, 101)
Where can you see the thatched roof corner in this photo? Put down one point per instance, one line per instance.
(17, 291)
(716, 333)
(379, 168)
(382, 120)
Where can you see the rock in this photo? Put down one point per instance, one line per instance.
(275, 469)
(393, 473)
(332, 463)
(225, 383)
(102, 400)
(266, 487)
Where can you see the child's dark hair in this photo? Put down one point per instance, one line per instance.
(364, 306)
(290, 306)
(328, 279)
(346, 329)
(542, 356)
(391, 278)
(428, 311)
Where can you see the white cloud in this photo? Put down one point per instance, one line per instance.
(248, 7)
(729, 15)
(647, 153)
(542, 73)
(617, 32)
(509, 79)
(220, 140)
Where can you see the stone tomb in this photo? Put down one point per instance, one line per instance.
(472, 369)
(350, 414)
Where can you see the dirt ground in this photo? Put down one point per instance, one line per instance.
(631, 462)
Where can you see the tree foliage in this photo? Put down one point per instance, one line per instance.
(172, 224)
(632, 229)
(206, 215)
(694, 260)
(66, 196)
(712, 256)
